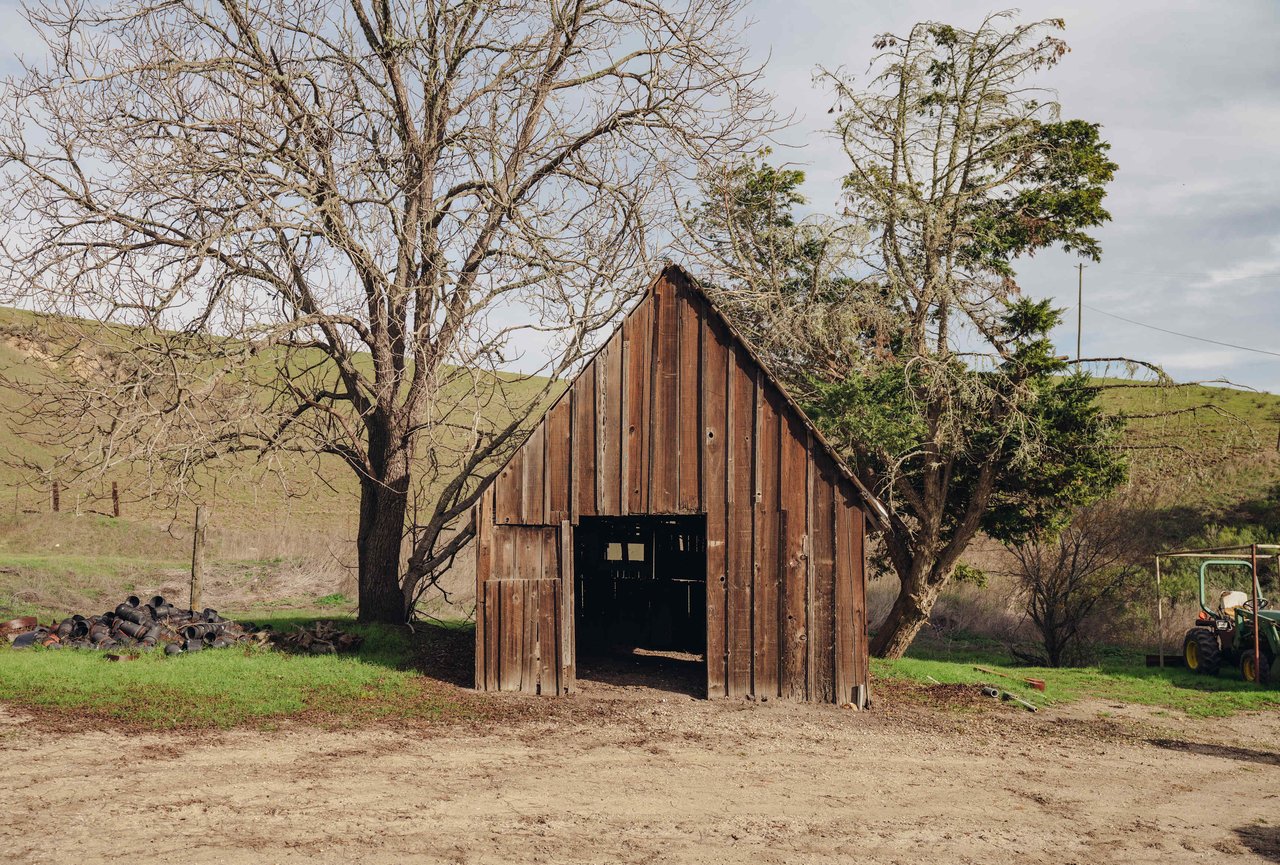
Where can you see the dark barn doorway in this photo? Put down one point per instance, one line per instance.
(640, 599)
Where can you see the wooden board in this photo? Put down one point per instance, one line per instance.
(714, 404)
(768, 563)
(609, 428)
(822, 629)
(637, 343)
(567, 646)
(741, 506)
(689, 404)
(843, 609)
(533, 495)
(794, 603)
(558, 447)
(664, 455)
(583, 451)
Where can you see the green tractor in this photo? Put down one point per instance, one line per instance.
(1225, 635)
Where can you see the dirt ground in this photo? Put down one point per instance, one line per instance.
(624, 772)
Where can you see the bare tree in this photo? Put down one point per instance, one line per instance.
(364, 210)
(1066, 578)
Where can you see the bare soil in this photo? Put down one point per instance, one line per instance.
(627, 771)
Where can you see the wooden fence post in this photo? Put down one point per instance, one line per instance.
(57, 490)
(197, 557)
(115, 500)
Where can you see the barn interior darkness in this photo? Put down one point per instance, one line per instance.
(641, 583)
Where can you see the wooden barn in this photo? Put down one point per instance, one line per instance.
(675, 498)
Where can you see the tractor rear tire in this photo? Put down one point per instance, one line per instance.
(1201, 651)
(1246, 668)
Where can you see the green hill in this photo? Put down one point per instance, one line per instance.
(287, 529)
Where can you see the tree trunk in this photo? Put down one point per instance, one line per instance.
(383, 502)
(908, 615)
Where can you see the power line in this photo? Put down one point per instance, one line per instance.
(1184, 335)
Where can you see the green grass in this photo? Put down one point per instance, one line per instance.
(235, 686)
(1120, 678)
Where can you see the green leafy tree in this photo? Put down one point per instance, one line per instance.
(912, 345)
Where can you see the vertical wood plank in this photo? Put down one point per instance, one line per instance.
(609, 428)
(583, 434)
(822, 630)
(568, 623)
(503, 548)
(793, 502)
(530, 658)
(509, 487)
(528, 544)
(493, 636)
(715, 357)
(861, 639)
(766, 625)
(809, 578)
(663, 440)
(689, 402)
(532, 492)
(844, 603)
(548, 639)
(638, 347)
(741, 505)
(559, 445)
(511, 604)
(483, 517)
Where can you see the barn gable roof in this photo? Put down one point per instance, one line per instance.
(678, 277)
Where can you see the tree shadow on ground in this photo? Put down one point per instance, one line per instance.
(1230, 752)
(680, 673)
(1262, 840)
(445, 653)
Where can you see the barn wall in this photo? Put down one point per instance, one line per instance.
(674, 416)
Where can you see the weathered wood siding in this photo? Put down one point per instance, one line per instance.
(675, 416)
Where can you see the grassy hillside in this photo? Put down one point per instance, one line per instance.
(285, 531)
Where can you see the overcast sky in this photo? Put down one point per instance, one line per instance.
(1188, 94)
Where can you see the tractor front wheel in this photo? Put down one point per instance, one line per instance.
(1249, 671)
(1200, 649)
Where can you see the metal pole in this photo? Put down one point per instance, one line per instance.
(1159, 615)
(1257, 654)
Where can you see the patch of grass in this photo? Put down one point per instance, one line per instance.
(335, 600)
(236, 686)
(1120, 678)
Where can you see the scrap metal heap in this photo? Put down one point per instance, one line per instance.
(156, 623)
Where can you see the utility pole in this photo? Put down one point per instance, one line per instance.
(1079, 308)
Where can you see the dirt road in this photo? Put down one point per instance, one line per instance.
(623, 774)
